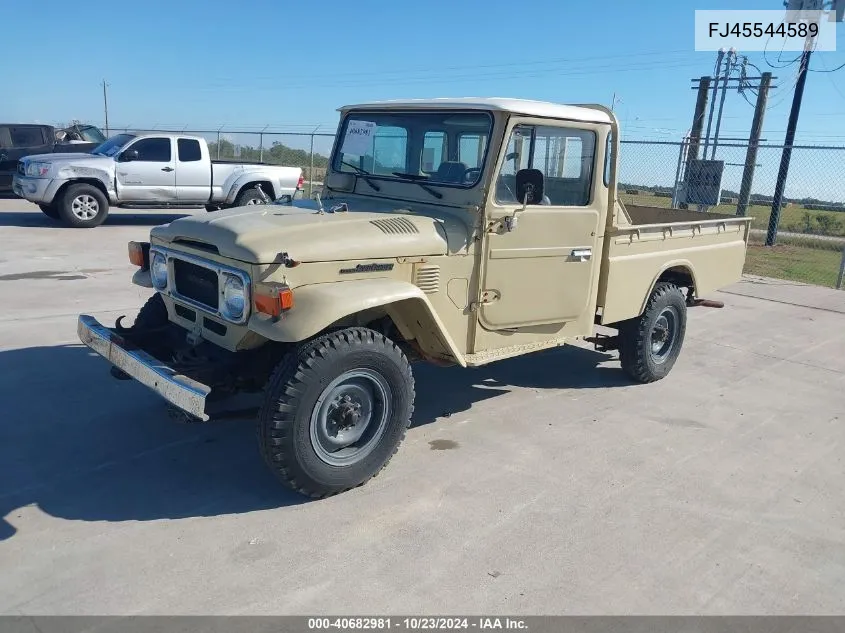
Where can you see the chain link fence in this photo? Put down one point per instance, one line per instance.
(810, 236)
(811, 232)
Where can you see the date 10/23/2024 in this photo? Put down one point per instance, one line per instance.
(417, 623)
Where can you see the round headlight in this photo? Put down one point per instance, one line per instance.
(234, 297)
(158, 271)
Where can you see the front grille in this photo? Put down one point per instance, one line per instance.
(196, 282)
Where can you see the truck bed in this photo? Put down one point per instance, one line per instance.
(645, 242)
(643, 216)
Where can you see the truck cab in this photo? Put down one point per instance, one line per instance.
(453, 231)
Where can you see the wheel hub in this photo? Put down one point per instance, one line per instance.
(85, 207)
(663, 334)
(349, 417)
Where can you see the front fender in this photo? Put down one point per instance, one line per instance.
(318, 306)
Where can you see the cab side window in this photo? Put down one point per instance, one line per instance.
(153, 150)
(565, 156)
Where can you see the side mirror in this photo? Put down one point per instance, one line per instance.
(529, 189)
(529, 186)
(129, 155)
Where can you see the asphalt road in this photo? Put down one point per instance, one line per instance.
(543, 485)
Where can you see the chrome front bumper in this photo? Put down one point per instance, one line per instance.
(180, 391)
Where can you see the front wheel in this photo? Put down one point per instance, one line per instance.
(650, 344)
(335, 411)
(83, 206)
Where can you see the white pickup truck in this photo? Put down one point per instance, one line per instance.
(153, 170)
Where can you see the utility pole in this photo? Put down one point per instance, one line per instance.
(613, 102)
(753, 143)
(697, 127)
(777, 202)
(106, 105)
(719, 58)
(698, 118)
(729, 63)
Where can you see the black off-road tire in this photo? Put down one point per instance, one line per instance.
(49, 210)
(637, 336)
(153, 313)
(82, 191)
(292, 393)
(246, 195)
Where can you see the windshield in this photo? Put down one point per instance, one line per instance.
(113, 145)
(442, 147)
(91, 134)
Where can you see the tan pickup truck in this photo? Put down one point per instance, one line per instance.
(455, 231)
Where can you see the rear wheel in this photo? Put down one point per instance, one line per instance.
(650, 344)
(335, 411)
(249, 197)
(83, 206)
(49, 210)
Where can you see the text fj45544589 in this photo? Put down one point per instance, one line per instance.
(458, 232)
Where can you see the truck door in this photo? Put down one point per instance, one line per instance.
(193, 174)
(543, 270)
(149, 177)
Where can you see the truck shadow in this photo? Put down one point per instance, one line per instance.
(84, 447)
(446, 391)
(36, 219)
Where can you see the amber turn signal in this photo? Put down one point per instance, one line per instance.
(139, 254)
(273, 300)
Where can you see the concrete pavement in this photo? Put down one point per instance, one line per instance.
(543, 485)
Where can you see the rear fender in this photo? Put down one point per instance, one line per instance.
(273, 184)
(320, 306)
(673, 271)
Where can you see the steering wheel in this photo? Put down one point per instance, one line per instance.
(471, 175)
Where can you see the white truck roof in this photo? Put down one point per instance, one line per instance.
(590, 113)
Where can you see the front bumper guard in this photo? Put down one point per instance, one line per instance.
(180, 391)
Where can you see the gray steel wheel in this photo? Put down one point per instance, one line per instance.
(650, 344)
(335, 411)
(350, 417)
(664, 333)
(85, 207)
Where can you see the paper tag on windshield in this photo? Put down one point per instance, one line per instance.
(359, 138)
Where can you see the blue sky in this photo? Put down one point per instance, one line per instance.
(290, 65)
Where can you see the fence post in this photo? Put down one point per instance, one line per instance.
(676, 188)
(841, 271)
(311, 169)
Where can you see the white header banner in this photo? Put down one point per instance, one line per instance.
(764, 30)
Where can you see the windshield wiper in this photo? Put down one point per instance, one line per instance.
(364, 173)
(416, 178)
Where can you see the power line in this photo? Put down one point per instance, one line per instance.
(440, 70)
(458, 79)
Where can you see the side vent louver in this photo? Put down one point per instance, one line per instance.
(394, 226)
(427, 278)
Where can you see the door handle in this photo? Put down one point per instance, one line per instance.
(167, 169)
(582, 254)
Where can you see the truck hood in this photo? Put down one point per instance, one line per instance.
(257, 234)
(69, 157)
